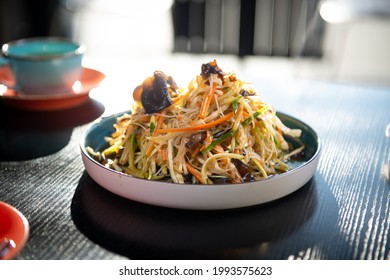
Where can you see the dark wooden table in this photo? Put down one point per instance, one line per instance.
(343, 212)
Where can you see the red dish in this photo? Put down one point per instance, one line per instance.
(13, 226)
(89, 79)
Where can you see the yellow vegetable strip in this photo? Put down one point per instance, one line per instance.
(215, 157)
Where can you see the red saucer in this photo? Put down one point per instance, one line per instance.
(89, 79)
(13, 225)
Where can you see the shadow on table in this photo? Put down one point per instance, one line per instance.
(27, 134)
(141, 231)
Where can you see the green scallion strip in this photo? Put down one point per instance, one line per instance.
(235, 106)
(133, 144)
(255, 115)
(152, 127)
(227, 135)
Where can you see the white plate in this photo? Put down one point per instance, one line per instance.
(200, 197)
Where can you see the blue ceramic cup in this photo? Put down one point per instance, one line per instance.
(46, 65)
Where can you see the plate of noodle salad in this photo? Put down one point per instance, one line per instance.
(212, 145)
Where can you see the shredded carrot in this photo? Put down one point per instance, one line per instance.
(196, 127)
(208, 140)
(209, 137)
(218, 148)
(195, 172)
(246, 114)
(280, 134)
(159, 122)
(195, 152)
(279, 129)
(206, 102)
(150, 148)
(164, 156)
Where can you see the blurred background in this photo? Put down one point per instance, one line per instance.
(345, 41)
